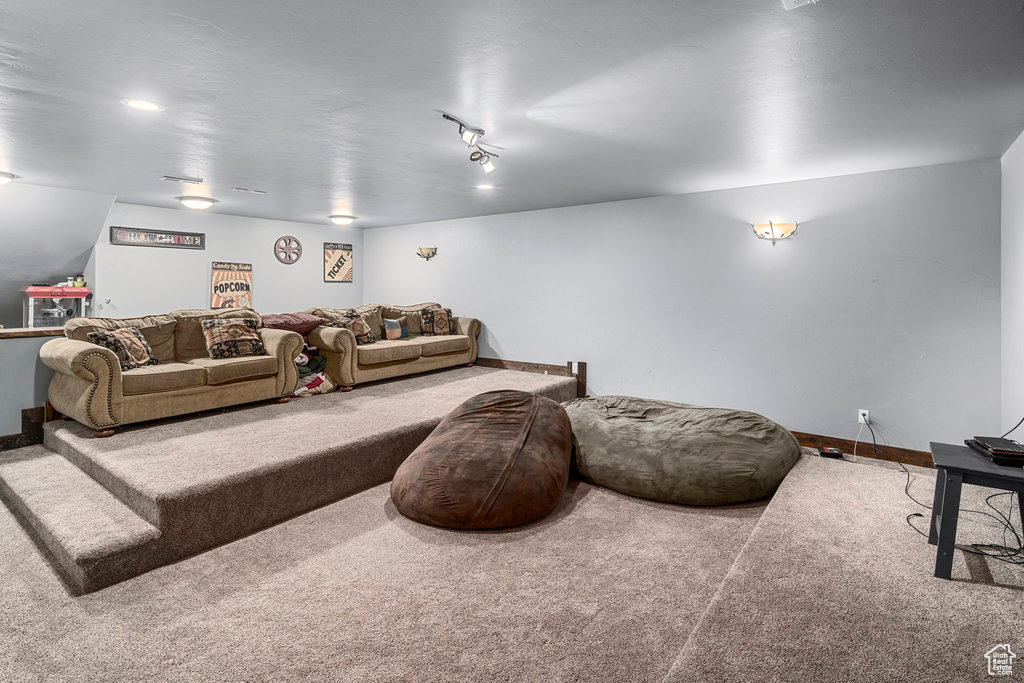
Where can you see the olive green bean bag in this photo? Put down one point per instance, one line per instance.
(678, 453)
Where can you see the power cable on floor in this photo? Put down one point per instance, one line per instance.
(1003, 553)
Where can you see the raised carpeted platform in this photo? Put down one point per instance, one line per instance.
(833, 585)
(158, 492)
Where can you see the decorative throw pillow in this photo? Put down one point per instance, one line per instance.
(396, 328)
(350, 320)
(128, 344)
(233, 337)
(437, 321)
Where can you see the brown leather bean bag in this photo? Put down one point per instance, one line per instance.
(500, 459)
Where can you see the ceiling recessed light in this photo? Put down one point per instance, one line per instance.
(6, 177)
(485, 186)
(141, 104)
(342, 220)
(197, 202)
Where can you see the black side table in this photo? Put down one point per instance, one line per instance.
(956, 466)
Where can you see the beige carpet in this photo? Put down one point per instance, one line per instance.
(163, 490)
(834, 586)
(607, 588)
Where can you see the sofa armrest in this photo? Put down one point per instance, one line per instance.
(79, 358)
(284, 346)
(337, 339)
(471, 328)
(87, 381)
(338, 347)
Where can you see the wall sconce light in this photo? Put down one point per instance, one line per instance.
(6, 177)
(775, 230)
(426, 252)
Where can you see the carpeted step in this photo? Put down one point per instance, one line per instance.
(208, 479)
(93, 537)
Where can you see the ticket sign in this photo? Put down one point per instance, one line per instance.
(337, 262)
(230, 285)
(169, 239)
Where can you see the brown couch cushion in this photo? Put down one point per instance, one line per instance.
(157, 329)
(432, 346)
(372, 315)
(411, 313)
(303, 323)
(152, 379)
(500, 459)
(227, 370)
(128, 344)
(387, 350)
(189, 341)
(356, 324)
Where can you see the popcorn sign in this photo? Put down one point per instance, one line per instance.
(230, 285)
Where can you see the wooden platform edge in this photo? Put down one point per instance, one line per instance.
(23, 332)
(543, 369)
(891, 453)
(31, 434)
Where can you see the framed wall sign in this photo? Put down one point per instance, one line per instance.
(337, 262)
(230, 285)
(168, 239)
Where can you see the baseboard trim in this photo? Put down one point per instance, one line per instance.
(890, 453)
(31, 430)
(543, 369)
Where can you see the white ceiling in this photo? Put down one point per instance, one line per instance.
(330, 106)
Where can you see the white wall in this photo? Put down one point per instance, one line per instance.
(887, 298)
(1012, 254)
(142, 280)
(48, 234)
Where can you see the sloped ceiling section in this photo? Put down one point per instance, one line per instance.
(48, 234)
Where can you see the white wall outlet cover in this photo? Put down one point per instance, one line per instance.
(793, 4)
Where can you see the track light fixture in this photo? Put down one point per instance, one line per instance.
(482, 157)
(471, 136)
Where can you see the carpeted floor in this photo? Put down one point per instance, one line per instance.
(833, 586)
(826, 583)
(607, 588)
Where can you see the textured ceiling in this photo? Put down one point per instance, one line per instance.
(330, 106)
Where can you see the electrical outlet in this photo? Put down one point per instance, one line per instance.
(863, 416)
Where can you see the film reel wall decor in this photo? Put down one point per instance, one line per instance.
(287, 249)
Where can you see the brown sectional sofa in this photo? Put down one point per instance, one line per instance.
(349, 364)
(89, 385)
